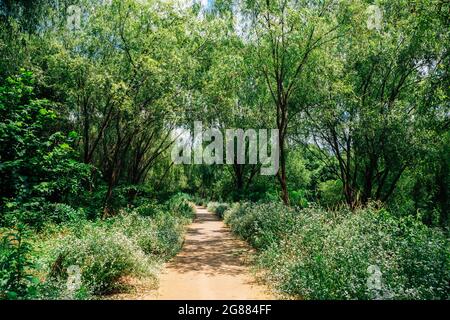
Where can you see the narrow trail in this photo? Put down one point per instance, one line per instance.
(210, 266)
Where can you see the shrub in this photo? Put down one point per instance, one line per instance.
(103, 256)
(130, 244)
(298, 198)
(181, 205)
(221, 208)
(38, 213)
(368, 254)
(170, 235)
(211, 206)
(260, 224)
(160, 236)
(217, 208)
(330, 193)
(149, 209)
(39, 164)
(16, 280)
(59, 213)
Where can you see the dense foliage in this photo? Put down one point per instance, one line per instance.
(317, 254)
(217, 208)
(38, 163)
(15, 264)
(134, 243)
(93, 95)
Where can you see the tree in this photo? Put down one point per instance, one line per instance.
(286, 36)
(374, 116)
(122, 82)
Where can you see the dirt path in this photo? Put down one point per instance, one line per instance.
(210, 266)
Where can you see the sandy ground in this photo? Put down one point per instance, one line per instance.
(211, 265)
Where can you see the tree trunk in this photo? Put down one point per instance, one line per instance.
(282, 172)
(106, 204)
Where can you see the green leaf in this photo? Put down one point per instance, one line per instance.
(11, 295)
(73, 134)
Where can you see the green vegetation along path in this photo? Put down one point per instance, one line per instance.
(210, 266)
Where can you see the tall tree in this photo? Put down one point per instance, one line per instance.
(286, 35)
(374, 110)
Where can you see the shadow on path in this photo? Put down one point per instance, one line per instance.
(210, 265)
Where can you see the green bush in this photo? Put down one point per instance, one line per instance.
(16, 280)
(160, 236)
(298, 198)
(218, 208)
(133, 243)
(103, 255)
(260, 224)
(38, 213)
(221, 208)
(59, 213)
(38, 163)
(181, 205)
(330, 193)
(149, 209)
(318, 254)
(211, 206)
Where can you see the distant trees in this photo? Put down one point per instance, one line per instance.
(362, 111)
